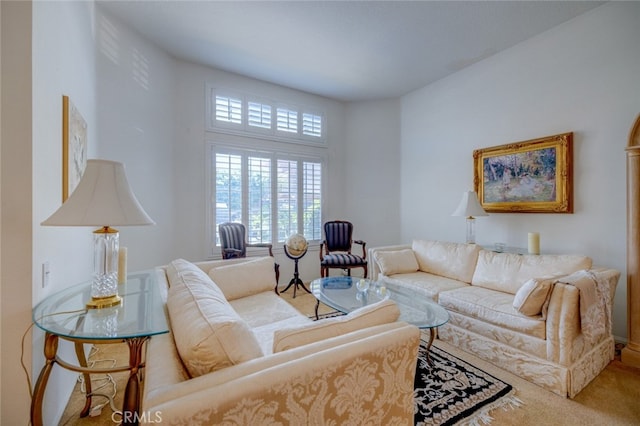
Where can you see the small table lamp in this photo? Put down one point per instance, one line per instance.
(469, 207)
(102, 198)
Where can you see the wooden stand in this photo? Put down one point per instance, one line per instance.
(295, 281)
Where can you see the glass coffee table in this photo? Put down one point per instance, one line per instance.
(345, 294)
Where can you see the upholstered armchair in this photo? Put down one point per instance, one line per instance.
(335, 249)
(233, 243)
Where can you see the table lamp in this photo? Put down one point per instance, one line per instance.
(102, 198)
(469, 207)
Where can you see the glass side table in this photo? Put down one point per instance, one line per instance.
(63, 315)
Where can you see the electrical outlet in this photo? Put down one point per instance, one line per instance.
(46, 274)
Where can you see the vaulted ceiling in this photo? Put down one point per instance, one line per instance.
(345, 50)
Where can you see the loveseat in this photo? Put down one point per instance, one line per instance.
(238, 354)
(545, 318)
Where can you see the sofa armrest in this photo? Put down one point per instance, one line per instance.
(563, 322)
(563, 317)
(374, 269)
(375, 365)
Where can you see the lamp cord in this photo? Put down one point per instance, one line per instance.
(103, 382)
(24, 367)
(95, 411)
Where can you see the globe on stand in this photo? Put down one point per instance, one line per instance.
(296, 245)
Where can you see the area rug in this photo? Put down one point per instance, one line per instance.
(327, 315)
(453, 392)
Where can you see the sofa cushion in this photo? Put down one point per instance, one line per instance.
(265, 313)
(423, 283)
(532, 295)
(368, 316)
(209, 334)
(397, 261)
(492, 307)
(451, 260)
(242, 279)
(509, 271)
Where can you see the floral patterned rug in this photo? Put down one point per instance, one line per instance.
(453, 392)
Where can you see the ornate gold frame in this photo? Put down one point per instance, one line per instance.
(534, 176)
(74, 147)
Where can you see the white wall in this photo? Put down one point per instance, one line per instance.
(191, 141)
(135, 110)
(63, 64)
(372, 171)
(581, 77)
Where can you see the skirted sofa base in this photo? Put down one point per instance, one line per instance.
(562, 380)
(528, 314)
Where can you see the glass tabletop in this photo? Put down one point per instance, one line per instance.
(141, 312)
(345, 294)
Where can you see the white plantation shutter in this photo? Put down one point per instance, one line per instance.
(228, 109)
(259, 199)
(287, 120)
(228, 189)
(312, 200)
(259, 115)
(311, 125)
(287, 193)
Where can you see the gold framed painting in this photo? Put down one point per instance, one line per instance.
(74, 147)
(534, 176)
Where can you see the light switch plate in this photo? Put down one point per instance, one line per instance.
(46, 274)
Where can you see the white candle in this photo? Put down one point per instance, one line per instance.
(122, 265)
(534, 243)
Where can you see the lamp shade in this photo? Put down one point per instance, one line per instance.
(469, 206)
(102, 198)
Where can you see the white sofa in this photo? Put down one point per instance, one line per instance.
(546, 318)
(237, 353)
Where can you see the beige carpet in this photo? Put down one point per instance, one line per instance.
(613, 398)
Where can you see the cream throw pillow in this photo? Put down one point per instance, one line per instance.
(530, 298)
(245, 278)
(397, 262)
(368, 316)
(209, 334)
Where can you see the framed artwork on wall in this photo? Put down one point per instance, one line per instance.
(74, 147)
(534, 176)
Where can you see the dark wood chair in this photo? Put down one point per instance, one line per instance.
(335, 249)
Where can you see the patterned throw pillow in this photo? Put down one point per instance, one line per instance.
(531, 296)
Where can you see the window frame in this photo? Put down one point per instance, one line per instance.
(245, 147)
(272, 133)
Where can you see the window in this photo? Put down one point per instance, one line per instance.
(287, 120)
(259, 115)
(233, 112)
(273, 194)
(228, 109)
(311, 124)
